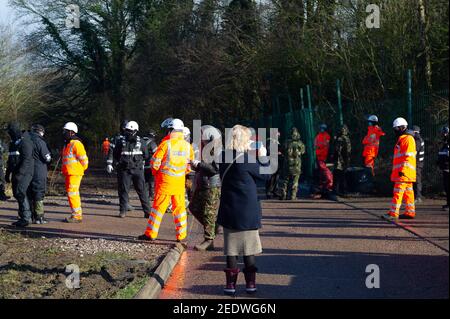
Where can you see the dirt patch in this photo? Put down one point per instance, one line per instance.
(38, 267)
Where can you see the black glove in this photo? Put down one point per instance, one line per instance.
(401, 174)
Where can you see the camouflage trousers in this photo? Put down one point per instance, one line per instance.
(290, 186)
(204, 205)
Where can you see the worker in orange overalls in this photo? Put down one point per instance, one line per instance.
(75, 163)
(371, 143)
(105, 147)
(170, 164)
(322, 146)
(403, 172)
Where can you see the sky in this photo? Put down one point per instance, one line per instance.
(6, 13)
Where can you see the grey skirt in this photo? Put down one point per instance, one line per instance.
(241, 242)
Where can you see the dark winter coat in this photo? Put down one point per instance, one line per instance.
(420, 148)
(207, 175)
(240, 208)
(20, 160)
(42, 157)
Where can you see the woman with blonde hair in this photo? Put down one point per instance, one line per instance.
(240, 210)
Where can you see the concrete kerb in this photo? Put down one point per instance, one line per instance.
(155, 284)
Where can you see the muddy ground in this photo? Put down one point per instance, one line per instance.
(36, 267)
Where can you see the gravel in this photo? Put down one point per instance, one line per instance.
(87, 246)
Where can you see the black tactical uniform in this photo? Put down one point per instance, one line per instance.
(21, 167)
(130, 156)
(420, 162)
(150, 144)
(42, 157)
(443, 161)
(3, 196)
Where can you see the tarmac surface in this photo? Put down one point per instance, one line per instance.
(312, 249)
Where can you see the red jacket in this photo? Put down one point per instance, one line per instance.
(322, 145)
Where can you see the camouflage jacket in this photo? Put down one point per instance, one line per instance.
(342, 152)
(294, 149)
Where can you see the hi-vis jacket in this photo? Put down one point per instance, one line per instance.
(371, 141)
(170, 164)
(75, 160)
(404, 160)
(322, 145)
(129, 154)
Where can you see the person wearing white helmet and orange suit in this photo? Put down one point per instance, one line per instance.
(371, 143)
(74, 163)
(170, 165)
(130, 156)
(403, 172)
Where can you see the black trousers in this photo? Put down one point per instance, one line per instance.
(2, 179)
(150, 182)
(339, 181)
(445, 177)
(135, 176)
(20, 185)
(418, 183)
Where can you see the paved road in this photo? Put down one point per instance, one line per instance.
(320, 249)
(312, 249)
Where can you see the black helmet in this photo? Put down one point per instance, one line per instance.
(38, 128)
(445, 130)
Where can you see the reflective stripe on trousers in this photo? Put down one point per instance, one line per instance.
(403, 192)
(160, 205)
(73, 194)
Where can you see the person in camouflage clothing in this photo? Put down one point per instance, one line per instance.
(205, 200)
(292, 167)
(3, 196)
(341, 158)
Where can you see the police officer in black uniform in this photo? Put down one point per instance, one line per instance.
(151, 145)
(3, 196)
(130, 156)
(443, 161)
(42, 158)
(420, 160)
(21, 167)
(115, 140)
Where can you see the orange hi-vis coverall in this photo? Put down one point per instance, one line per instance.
(105, 147)
(170, 164)
(322, 145)
(371, 143)
(75, 162)
(404, 175)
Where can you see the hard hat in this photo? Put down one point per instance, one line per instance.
(124, 124)
(400, 121)
(167, 122)
(186, 131)
(71, 126)
(445, 130)
(132, 126)
(176, 124)
(323, 126)
(373, 118)
(416, 128)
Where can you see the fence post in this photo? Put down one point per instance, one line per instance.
(410, 116)
(310, 143)
(339, 96)
(302, 102)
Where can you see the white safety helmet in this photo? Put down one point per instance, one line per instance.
(71, 126)
(373, 118)
(132, 126)
(186, 131)
(400, 121)
(176, 124)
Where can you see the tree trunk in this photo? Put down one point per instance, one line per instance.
(424, 29)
